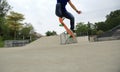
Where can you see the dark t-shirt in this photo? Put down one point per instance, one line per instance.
(63, 4)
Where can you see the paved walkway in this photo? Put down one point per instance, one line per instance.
(47, 55)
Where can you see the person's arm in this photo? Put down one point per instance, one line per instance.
(71, 4)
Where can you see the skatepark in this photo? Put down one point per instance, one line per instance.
(89, 42)
(48, 55)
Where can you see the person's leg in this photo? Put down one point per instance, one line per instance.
(71, 18)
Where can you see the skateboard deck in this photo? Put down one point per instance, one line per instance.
(66, 28)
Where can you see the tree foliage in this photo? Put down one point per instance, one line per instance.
(49, 33)
(82, 29)
(14, 22)
(12, 26)
(4, 8)
(15, 28)
(112, 20)
(101, 26)
(26, 31)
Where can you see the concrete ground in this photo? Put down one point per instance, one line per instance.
(47, 55)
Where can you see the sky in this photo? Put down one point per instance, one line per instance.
(41, 13)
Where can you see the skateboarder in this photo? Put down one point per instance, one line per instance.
(62, 12)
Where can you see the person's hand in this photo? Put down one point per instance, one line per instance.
(79, 12)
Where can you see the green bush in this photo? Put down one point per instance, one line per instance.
(100, 32)
(1, 42)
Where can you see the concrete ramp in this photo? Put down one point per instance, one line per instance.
(53, 41)
(45, 42)
(48, 55)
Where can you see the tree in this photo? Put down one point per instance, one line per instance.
(82, 29)
(14, 22)
(113, 19)
(101, 26)
(54, 33)
(4, 8)
(26, 31)
(49, 33)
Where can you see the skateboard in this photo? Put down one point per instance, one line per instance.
(67, 29)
